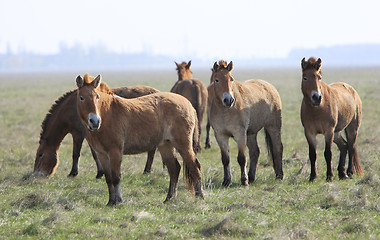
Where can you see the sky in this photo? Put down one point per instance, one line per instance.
(198, 28)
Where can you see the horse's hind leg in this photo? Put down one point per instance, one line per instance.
(275, 147)
(168, 157)
(149, 161)
(353, 157)
(254, 153)
(342, 145)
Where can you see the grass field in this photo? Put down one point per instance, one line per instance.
(75, 208)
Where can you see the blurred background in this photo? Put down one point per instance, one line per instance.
(43, 35)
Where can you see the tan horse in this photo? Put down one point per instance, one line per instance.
(328, 110)
(63, 119)
(117, 126)
(192, 89)
(210, 96)
(240, 111)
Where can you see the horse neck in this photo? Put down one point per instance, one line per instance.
(55, 131)
(185, 76)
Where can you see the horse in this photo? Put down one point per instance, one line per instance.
(329, 110)
(192, 89)
(62, 119)
(210, 96)
(240, 110)
(116, 126)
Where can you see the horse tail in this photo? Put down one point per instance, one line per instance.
(188, 178)
(269, 143)
(196, 137)
(197, 105)
(357, 166)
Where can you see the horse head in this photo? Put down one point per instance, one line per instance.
(223, 84)
(46, 159)
(88, 101)
(184, 71)
(311, 80)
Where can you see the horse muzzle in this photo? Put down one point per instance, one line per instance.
(94, 121)
(228, 100)
(316, 98)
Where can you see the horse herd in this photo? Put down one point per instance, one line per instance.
(132, 120)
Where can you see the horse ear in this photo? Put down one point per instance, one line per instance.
(230, 66)
(97, 81)
(188, 65)
(303, 63)
(215, 67)
(79, 81)
(176, 64)
(318, 64)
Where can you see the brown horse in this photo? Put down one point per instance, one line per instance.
(192, 89)
(240, 110)
(210, 96)
(62, 119)
(328, 110)
(117, 126)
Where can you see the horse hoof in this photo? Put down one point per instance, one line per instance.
(329, 179)
(208, 145)
(280, 177)
(146, 172)
(72, 174)
(312, 178)
(226, 183)
(343, 177)
(244, 182)
(99, 175)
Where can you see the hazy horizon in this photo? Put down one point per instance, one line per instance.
(196, 29)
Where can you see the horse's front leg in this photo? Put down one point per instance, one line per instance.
(242, 160)
(254, 153)
(328, 155)
(312, 142)
(208, 142)
(111, 165)
(77, 146)
(99, 167)
(225, 152)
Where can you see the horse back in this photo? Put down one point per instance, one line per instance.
(195, 91)
(134, 91)
(348, 103)
(262, 91)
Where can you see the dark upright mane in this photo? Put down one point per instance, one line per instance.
(52, 110)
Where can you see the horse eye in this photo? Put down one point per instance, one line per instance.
(81, 99)
(40, 156)
(232, 79)
(305, 78)
(97, 96)
(216, 80)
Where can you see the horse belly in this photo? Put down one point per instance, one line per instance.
(140, 145)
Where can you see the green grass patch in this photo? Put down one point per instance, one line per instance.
(74, 208)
